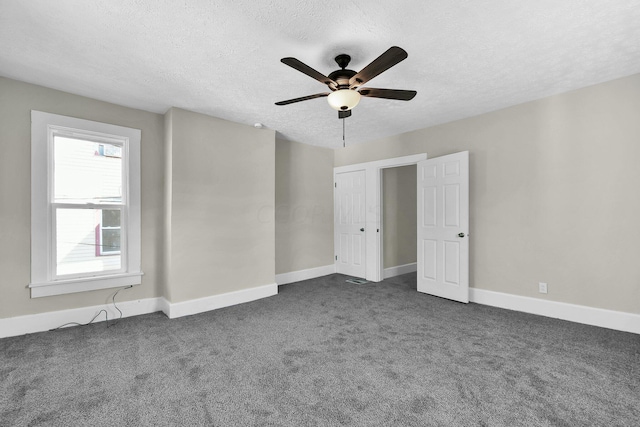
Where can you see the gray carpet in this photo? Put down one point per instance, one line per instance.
(326, 353)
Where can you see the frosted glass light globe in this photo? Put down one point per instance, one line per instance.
(343, 99)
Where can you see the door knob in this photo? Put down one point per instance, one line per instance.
(362, 229)
(460, 234)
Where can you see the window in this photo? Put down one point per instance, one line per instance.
(85, 205)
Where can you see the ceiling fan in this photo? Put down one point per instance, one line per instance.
(346, 84)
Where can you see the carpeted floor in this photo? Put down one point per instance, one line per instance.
(326, 353)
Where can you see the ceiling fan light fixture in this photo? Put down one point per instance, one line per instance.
(343, 99)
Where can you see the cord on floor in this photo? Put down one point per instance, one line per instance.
(106, 315)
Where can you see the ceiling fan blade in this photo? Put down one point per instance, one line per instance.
(304, 68)
(382, 63)
(401, 95)
(304, 98)
(344, 114)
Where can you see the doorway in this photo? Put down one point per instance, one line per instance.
(398, 220)
(442, 185)
(371, 235)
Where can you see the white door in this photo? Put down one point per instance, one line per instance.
(443, 226)
(349, 223)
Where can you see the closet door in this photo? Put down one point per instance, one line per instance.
(350, 243)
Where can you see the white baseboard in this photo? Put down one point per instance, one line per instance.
(200, 305)
(618, 320)
(20, 325)
(28, 324)
(40, 322)
(400, 269)
(310, 273)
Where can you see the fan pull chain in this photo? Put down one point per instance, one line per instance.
(344, 143)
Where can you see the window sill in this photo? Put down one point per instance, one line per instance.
(60, 287)
(108, 253)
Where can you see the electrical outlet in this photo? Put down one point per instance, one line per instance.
(542, 288)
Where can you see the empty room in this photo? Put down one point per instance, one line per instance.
(286, 213)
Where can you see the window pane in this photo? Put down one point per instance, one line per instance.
(86, 171)
(79, 239)
(110, 240)
(111, 218)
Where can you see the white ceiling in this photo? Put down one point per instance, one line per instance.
(222, 58)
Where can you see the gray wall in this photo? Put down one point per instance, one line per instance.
(17, 99)
(207, 201)
(399, 216)
(222, 192)
(553, 196)
(304, 206)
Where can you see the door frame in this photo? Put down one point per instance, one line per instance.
(374, 267)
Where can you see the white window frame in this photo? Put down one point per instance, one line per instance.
(44, 282)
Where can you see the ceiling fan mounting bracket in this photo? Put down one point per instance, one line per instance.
(343, 60)
(343, 75)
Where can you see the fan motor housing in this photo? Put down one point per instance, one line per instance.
(342, 77)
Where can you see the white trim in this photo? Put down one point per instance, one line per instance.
(164, 306)
(81, 284)
(309, 273)
(618, 320)
(20, 325)
(200, 305)
(29, 324)
(373, 199)
(382, 164)
(400, 269)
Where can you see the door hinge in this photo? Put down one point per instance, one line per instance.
(336, 257)
(335, 184)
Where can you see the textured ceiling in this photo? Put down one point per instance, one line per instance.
(222, 58)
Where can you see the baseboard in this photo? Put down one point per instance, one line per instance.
(20, 325)
(310, 273)
(29, 324)
(400, 269)
(200, 305)
(618, 320)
